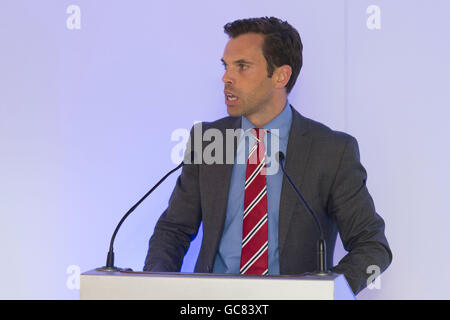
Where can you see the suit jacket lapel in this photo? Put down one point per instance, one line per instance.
(295, 164)
(219, 178)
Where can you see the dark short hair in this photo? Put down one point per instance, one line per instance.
(282, 44)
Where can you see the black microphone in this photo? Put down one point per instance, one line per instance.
(110, 258)
(322, 268)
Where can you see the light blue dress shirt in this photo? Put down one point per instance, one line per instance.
(228, 257)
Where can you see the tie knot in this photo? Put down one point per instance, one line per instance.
(259, 133)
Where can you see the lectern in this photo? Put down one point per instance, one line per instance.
(195, 286)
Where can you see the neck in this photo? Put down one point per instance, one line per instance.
(268, 112)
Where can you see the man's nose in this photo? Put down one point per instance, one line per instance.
(227, 79)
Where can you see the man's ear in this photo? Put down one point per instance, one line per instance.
(281, 76)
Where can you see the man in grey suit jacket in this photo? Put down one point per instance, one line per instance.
(262, 61)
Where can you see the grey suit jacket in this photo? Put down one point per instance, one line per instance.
(324, 165)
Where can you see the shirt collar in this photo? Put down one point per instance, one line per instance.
(282, 122)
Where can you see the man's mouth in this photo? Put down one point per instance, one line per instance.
(230, 97)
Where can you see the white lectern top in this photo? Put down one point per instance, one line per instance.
(196, 286)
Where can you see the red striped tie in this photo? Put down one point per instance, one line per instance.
(254, 254)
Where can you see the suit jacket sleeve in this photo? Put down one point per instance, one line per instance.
(179, 223)
(361, 229)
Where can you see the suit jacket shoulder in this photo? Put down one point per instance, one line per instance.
(318, 130)
(223, 123)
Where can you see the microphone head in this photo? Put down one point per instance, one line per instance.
(280, 156)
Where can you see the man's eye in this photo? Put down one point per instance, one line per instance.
(243, 66)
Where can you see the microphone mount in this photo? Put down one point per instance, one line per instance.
(109, 267)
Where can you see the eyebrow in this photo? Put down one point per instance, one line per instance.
(237, 61)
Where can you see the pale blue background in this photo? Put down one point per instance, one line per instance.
(86, 118)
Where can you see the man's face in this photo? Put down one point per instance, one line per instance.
(248, 89)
